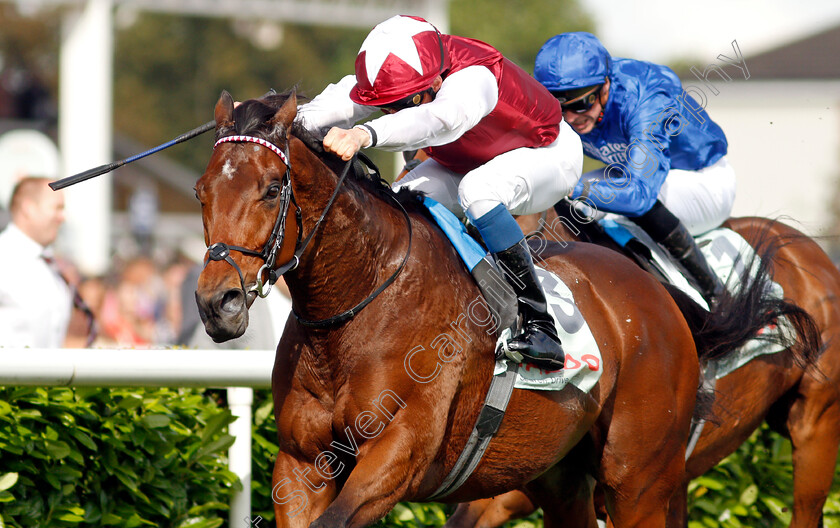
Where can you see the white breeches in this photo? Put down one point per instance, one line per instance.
(524, 180)
(702, 199)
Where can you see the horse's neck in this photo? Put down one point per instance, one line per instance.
(356, 247)
(360, 244)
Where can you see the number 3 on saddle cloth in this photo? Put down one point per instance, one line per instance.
(727, 253)
(583, 365)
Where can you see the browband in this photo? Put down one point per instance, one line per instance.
(258, 141)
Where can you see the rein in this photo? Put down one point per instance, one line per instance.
(221, 251)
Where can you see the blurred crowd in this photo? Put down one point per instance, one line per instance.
(138, 304)
(144, 303)
(141, 302)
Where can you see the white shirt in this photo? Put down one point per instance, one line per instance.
(35, 302)
(465, 98)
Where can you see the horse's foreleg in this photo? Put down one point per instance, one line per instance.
(491, 513)
(678, 508)
(299, 492)
(639, 484)
(467, 514)
(565, 492)
(814, 425)
(384, 470)
(644, 456)
(507, 507)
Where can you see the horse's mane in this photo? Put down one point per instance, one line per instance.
(252, 118)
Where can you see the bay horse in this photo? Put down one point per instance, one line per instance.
(379, 375)
(801, 403)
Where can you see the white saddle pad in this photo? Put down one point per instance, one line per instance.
(728, 254)
(583, 358)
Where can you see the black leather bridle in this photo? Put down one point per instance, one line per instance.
(221, 251)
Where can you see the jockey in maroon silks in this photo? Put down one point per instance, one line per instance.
(496, 139)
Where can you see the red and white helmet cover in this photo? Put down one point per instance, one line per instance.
(399, 58)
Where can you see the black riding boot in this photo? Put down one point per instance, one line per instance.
(681, 245)
(537, 339)
(666, 229)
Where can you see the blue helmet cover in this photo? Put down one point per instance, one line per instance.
(571, 60)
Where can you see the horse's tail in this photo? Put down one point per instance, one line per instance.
(741, 315)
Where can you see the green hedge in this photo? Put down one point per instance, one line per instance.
(113, 457)
(157, 457)
(753, 487)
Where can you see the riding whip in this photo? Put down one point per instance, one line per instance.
(108, 167)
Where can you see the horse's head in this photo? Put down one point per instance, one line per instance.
(245, 196)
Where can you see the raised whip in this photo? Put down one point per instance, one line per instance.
(108, 167)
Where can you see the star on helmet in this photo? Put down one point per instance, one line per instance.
(398, 32)
(401, 56)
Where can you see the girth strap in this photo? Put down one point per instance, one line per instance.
(486, 426)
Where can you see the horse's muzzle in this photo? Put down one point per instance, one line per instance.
(224, 313)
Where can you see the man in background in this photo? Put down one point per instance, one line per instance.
(35, 301)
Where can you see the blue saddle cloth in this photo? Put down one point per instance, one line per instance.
(466, 246)
(496, 291)
(616, 231)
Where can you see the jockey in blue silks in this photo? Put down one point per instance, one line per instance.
(666, 167)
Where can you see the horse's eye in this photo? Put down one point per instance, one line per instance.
(272, 192)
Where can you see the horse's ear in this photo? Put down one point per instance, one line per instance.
(224, 110)
(286, 114)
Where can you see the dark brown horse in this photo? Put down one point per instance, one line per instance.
(373, 406)
(802, 404)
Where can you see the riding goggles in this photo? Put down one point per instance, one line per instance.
(408, 102)
(581, 99)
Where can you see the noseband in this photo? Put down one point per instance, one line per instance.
(221, 251)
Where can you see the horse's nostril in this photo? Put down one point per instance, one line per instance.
(232, 301)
